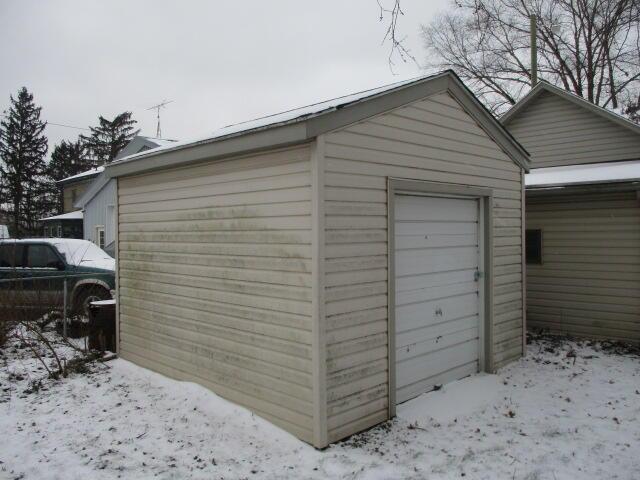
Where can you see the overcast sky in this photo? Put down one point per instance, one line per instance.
(220, 62)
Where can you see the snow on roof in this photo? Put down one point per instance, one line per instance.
(93, 171)
(76, 215)
(584, 174)
(161, 142)
(281, 118)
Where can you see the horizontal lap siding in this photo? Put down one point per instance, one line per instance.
(589, 282)
(558, 132)
(215, 280)
(432, 140)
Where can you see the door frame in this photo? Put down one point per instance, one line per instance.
(485, 223)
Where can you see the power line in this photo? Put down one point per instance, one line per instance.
(68, 126)
(57, 124)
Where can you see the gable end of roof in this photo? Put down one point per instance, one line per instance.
(544, 86)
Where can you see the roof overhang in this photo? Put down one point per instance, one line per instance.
(584, 188)
(306, 128)
(65, 217)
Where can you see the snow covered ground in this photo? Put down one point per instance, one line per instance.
(567, 411)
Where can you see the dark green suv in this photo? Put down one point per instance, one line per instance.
(33, 274)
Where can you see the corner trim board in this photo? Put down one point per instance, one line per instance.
(319, 335)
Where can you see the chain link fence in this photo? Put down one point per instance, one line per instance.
(49, 316)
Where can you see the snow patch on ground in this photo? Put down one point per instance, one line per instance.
(454, 400)
(568, 410)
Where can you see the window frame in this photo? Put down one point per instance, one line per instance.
(20, 258)
(26, 255)
(100, 230)
(539, 260)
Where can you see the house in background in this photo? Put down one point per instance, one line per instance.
(98, 200)
(65, 225)
(582, 215)
(69, 224)
(74, 187)
(323, 265)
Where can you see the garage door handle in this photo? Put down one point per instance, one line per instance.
(438, 311)
(477, 275)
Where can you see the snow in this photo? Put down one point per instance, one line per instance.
(277, 119)
(99, 303)
(76, 251)
(83, 253)
(457, 399)
(93, 171)
(584, 174)
(76, 215)
(568, 410)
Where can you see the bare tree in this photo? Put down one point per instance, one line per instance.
(589, 47)
(393, 12)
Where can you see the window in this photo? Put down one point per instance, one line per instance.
(533, 246)
(46, 232)
(100, 236)
(11, 255)
(59, 231)
(41, 256)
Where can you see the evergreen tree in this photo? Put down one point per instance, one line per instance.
(67, 159)
(109, 137)
(23, 147)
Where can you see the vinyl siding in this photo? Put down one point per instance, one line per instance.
(433, 140)
(557, 132)
(589, 282)
(215, 280)
(95, 213)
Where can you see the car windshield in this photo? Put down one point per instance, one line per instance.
(85, 253)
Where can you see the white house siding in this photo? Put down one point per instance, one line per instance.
(589, 281)
(433, 140)
(558, 132)
(215, 280)
(97, 211)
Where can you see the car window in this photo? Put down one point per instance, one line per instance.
(11, 255)
(41, 256)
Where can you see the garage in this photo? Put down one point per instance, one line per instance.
(437, 299)
(322, 265)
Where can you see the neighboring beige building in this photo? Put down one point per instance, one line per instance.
(74, 187)
(322, 265)
(582, 215)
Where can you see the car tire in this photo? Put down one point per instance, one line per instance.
(91, 293)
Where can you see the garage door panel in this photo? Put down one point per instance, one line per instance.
(411, 207)
(409, 340)
(431, 241)
(420, 354)
(416, 315)
(420, 261)
(426, 280)
(422, 369)
(437, 311)
(413, 390)
(422, 295)
(434, 228)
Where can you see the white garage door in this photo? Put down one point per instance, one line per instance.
(437, 292)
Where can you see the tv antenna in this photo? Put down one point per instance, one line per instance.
(157, 109)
